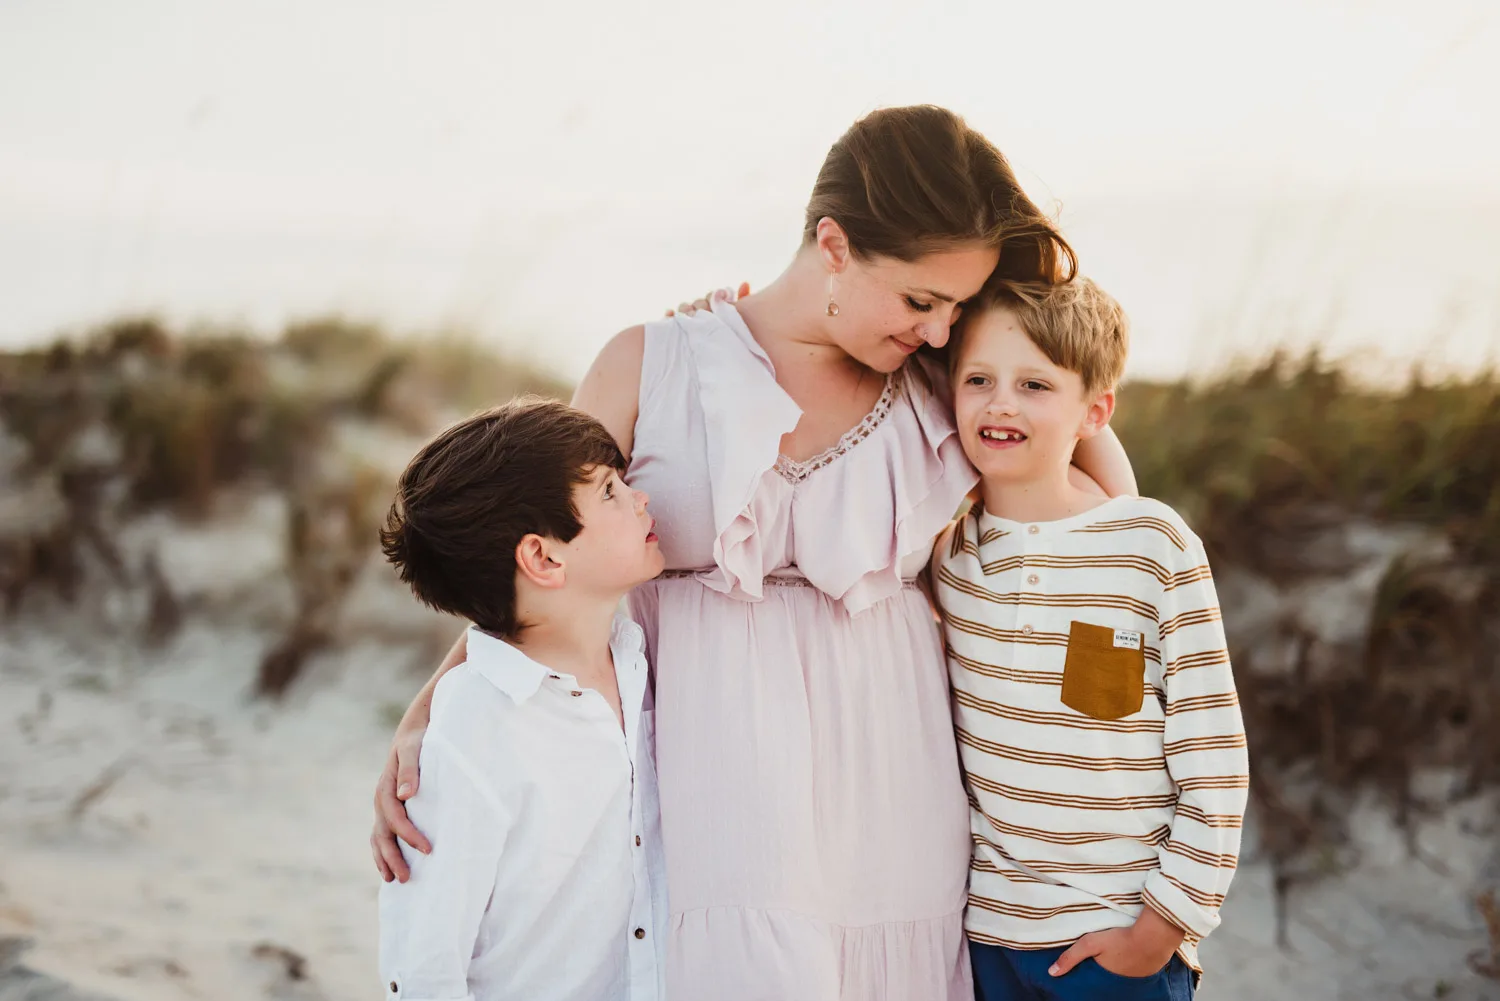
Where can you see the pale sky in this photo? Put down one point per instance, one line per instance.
(545, 175)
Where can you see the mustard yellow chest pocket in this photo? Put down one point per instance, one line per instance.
(1105, 673)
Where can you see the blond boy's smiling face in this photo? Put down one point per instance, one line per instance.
(1019, 414)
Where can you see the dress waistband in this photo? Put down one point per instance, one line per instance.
(773, 579)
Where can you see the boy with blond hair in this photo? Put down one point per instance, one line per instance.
(1094, 705)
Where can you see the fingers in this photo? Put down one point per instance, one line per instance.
(408, 776)
(381, 865)
(1075, 954)
(393, 816)
(389, 860)
(383, 789)
(389, 854)
(390, 813)
(709, 298)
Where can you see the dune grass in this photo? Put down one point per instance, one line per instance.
(1255, 449)
(1262, 462)
(191, 414)
(134, 417)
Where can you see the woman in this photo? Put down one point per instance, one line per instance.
(801, 462)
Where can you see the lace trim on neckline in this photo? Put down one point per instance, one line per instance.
(794, 471)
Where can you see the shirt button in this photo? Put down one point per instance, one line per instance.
(393, 987)
(576, 694)
(1026, 629)
(637, 840)
(555, 677)
(1033, 529)
(640, 933)
(1033, 580)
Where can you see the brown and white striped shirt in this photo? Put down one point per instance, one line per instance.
(1097, 722)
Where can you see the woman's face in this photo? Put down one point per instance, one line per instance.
(889, 308)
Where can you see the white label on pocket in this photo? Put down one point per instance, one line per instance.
(1128, 639)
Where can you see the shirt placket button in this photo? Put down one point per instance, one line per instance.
(640, 933)
(1032, 580)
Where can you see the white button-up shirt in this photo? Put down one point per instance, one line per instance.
(546, 880)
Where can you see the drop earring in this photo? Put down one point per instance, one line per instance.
(833, 307)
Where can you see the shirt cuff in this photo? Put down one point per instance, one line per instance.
(1171, 902)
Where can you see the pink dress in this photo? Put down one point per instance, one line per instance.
(813, 814)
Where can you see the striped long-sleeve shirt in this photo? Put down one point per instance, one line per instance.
(1097, 721)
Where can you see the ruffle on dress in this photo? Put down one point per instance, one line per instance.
(902, 465)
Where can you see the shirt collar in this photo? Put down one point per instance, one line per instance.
(1061, 526)
(518, 676)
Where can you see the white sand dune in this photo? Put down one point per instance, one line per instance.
(166, 838)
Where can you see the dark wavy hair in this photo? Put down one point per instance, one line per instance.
(471, 494)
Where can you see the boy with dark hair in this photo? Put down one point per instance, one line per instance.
(538, 788)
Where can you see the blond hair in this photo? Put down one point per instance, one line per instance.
(1077, 325)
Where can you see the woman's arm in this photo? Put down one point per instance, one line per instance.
(1103, 458)
(398, 782)
(610, 390)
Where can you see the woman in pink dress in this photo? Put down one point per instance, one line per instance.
(801, 459)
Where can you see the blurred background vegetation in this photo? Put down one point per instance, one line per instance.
(1355, 533)
(1355, 529)
(132, 418)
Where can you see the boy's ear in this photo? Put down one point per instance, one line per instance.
(1096, 418)
(538, 561)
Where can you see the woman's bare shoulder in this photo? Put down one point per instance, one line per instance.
(611, 388)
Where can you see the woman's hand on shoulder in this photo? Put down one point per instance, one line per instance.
(398, 783)
(718, 295)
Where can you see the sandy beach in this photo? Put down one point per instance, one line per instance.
(253, 255)
(167, 837)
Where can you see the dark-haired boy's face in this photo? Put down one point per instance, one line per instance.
(617, 548)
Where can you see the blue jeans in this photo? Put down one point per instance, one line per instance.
(1002, 974)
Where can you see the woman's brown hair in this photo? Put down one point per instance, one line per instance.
(904, 182)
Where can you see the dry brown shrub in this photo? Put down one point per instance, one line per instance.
(1268, 465)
